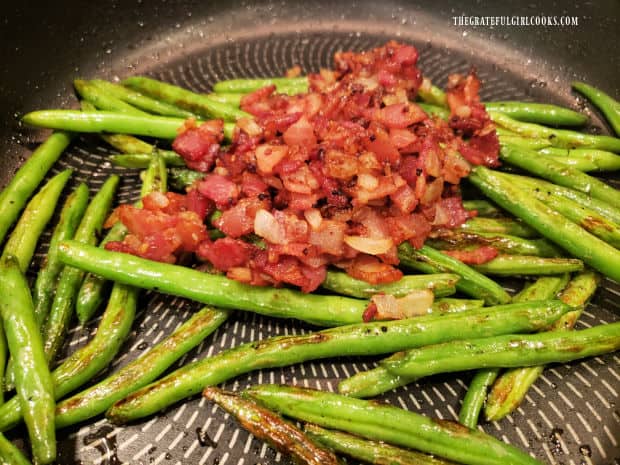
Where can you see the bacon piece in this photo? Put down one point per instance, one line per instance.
(478, 256)
(225, 253)
(470, 119)
(218, 188)
(300, 133)
(200, 145)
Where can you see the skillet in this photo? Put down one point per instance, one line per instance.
(571, 415)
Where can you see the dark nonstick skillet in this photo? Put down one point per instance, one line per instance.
(571, 416)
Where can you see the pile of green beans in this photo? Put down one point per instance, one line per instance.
(269, 426)
(32, 377)
(557, 210)
(373, 338)
(389, 424)
(543, 288)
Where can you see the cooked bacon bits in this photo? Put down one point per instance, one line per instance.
(165, 227)
(477, 256)
(337, 176)
(469, 118)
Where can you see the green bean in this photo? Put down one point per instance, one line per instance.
(28, 177)
(525, 142)
(126, 143)
(70, 217)
(123, 142)
(89, 360)
(229, 98)
(378, 453)
(38, 212)
(186, 99)
(141, 160)
(441, 284)
(432, 94)
(558, 137)
(503, 132)
(548, 222)
(513, 245)
(181, 178)
(482, 207)
(520, 111)
(45, 284)
(70, 278)
(499, 226)
(507, 351)
(510, 389)
(10, 454)
(373, 338)
(599, 159)
(163, 127)
(270, 427)
(250, 85)
(389, 424)
(590, 220)
(141, 101)
(33, 380)
(103, 100)
(213, 289)
(523, 265)
(429, 260)
(373, 382)
(551, 190)
(378, 380)
(90, 295)
(579, 163)
(605, 103)
(451, 305)
(560, 174)
(4, 355)
(542, 113)
(544, 288)
(475, 396)
(143, 370)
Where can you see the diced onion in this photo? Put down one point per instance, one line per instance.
(463, 111)
(415, 303)
(159, 199)
(314, 218)
(433, 192)
(240, 273)
(268, 156)
(387, 307)
(250, 126)
(442, 216)
(367, 181)
(267, 227)
(369, 245)
(368, 83)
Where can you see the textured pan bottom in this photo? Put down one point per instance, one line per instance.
(570, 415)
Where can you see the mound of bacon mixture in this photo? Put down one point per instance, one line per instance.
(338, 176)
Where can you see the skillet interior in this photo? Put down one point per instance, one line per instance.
(569, 417)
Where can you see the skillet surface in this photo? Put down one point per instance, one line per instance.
(571, 415)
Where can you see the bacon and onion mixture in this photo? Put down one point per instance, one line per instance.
(338, 176)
